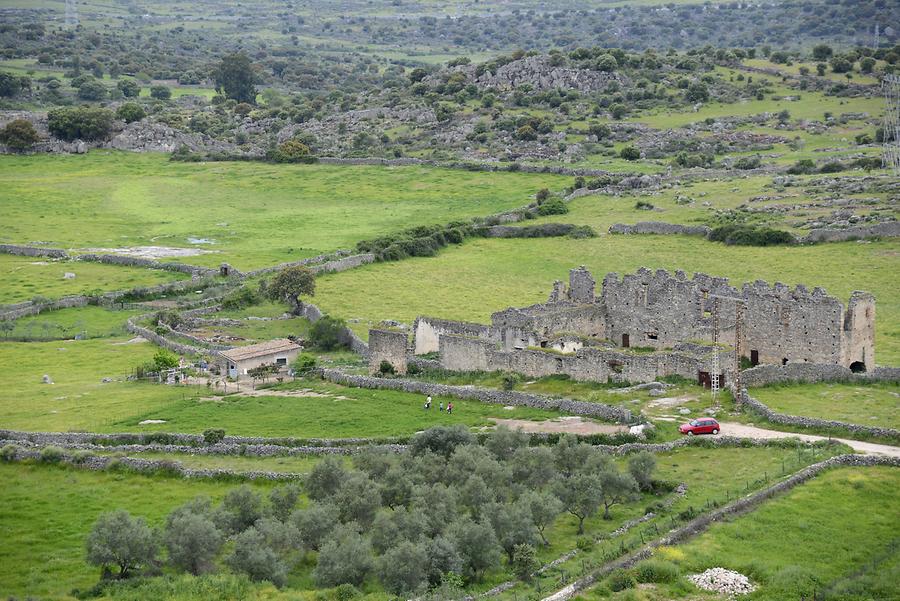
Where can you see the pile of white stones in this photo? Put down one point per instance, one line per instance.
(720, 580)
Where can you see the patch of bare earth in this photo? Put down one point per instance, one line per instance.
(151, 252)
(562, 425)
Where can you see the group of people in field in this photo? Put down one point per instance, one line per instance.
(440, 406)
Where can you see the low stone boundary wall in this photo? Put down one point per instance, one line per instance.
(484, 395)
(702, 523)
(812, 422)
(99, 463)
(26, 309)
(468, 166)
(811, 373)
(127, 261)
(659, 228)
(887, 229)
(33, 251)
(544, 230)
(196, 339)
(195, 442)
(340, 260)
(178, 347)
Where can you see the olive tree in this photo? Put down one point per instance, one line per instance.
(402, 569)
(193, 541)
(117, 539)
(346, 558)
(255, 558)
(315, 523)
(641, 468)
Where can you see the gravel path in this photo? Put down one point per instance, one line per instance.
(745, 431)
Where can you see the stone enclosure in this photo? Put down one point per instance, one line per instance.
(649, 325)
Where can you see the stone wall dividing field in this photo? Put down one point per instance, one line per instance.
(887, 229)
(484, 395)
(127, 261)
(658, 227)
(811, 422)
(703, 522)
(33, 251)
(159, 340)
(811, 373)
(340, 260)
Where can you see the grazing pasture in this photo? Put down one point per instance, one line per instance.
(473, 280)
(249, 214)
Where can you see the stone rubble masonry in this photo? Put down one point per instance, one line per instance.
(340, 260)
(887, 229)
(703, 522)
(58, 253)
(33, 251)
(484, 395)
(427, 330)
(811, 373)
(666, 313)
(658, 227)
(159, 340)
(389, 346)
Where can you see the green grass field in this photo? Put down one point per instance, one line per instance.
(79, 400)
(90, 321)
(26, 277)
(256, 214)
(471, 281)
(46, 513)
(875, 404)
(817, 535)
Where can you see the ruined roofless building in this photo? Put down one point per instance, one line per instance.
(669, 312)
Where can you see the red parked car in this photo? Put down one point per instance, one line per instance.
(703, 425)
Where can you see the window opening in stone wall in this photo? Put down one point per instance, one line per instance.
(652, 336)
(754, 357)
(858, 367)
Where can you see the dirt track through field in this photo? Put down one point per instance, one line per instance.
(745, 431)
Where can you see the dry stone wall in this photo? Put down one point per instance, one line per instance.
(702, 523)
(484, 395)
(658, 227)
(763, 375)
(812, 422)
(387, 346)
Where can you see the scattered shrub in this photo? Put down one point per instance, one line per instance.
(8, 452)
(329, 334)
(744, 235)
(630, 153)
(82, 122)
(52, 454)
(643, 205)
(554, 206)
(304, 363)
(832, 167)
(656, 570)
(213, 435)
(619, 580)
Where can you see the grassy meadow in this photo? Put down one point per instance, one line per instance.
(253, 214)
(24, 278)
(90, 322)
(869, 404)
(79, 399)
(471, 281)
(826, 532)
(47, 512)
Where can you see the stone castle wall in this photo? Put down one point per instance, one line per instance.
(459, 353)
(385, 345)
(427, 330)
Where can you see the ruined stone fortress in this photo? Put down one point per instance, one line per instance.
(646, 326)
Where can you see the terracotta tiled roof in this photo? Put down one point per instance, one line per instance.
(263, 348)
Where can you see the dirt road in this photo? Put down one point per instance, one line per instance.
(745, 431)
